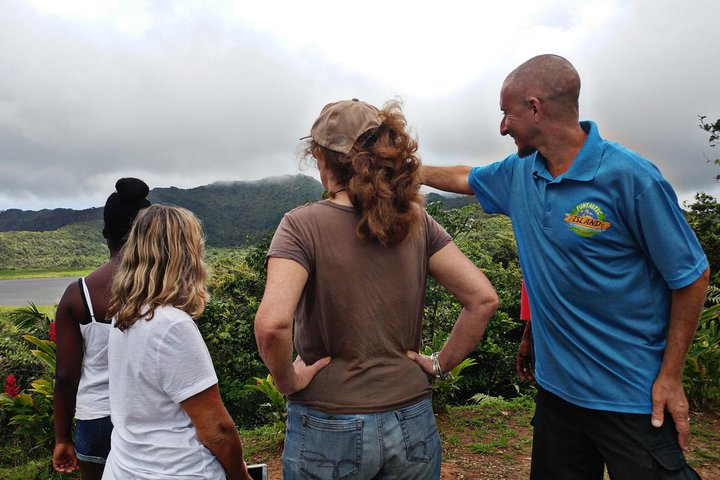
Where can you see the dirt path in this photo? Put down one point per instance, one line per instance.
(494, 443)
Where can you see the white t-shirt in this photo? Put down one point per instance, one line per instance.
(154, 365)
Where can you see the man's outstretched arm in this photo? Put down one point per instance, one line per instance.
(449, 179)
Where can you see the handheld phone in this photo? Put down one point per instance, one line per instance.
(259, 471)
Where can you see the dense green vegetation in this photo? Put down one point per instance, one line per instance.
(73, 247)
(704, 218)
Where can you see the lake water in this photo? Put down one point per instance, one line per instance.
(40, 291)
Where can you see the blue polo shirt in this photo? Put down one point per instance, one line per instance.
(601, 248)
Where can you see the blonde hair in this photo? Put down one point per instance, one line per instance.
(162, 264)
(382, 176)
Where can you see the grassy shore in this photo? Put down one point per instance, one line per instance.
(18, 274)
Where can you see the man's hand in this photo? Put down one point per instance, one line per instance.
(669, 395)
(523, 362)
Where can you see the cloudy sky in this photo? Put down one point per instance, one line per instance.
(185, 93)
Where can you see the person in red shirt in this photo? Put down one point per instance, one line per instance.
(524, 361)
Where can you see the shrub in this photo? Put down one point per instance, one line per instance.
(276, 405)
(15, 357)
(488, 242)
(26, 417)
(30, 412)
(227, 327)
(701, 377)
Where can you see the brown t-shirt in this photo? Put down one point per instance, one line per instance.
(362, 305)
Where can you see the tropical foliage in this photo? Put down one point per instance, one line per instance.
(488, 241)
(26, 403)
(713, 128)
(30, 412)
(702, 366)
(703, 215)
(236, 288)
(275, 407)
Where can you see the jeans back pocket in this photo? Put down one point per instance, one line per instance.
(330, 448)
(417, 422)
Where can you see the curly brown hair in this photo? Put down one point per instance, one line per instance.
(382, 176)
(162, 264)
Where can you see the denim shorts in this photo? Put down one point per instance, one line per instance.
(92, 439)
(572, 442)
(396, 444)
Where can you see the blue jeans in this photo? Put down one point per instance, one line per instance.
(397, 444)
(92, 439)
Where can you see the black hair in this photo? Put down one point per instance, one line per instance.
(121, 208)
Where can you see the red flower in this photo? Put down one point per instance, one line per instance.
(52, 331)
(11, 387)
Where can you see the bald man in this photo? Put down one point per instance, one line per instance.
(615, 276)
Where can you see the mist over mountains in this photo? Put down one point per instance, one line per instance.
(232, 213)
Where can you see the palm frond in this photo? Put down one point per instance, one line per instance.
(713, 294)
(29, 319)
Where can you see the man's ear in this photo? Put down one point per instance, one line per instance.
(536, 105)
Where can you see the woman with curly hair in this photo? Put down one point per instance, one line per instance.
(345, 287)
(169, 419)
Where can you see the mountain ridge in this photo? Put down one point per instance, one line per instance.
(233, 212)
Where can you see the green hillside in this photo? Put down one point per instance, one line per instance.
(47, 220)
(450, 201)
(236, 213)
(233, 214)
(71, 247)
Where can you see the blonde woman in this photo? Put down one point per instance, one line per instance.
(347, 275)
(164, 400)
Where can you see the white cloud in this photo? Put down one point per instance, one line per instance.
(189, 92)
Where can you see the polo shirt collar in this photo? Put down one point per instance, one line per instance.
(586, 163)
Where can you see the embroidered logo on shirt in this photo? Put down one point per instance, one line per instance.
(587, 220)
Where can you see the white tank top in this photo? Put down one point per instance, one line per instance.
(93, 396)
